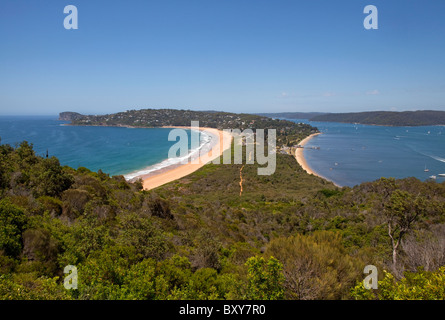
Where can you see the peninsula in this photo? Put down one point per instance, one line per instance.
(288, 132)
(381, 118)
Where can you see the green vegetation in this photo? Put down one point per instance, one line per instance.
(387, 118)
(288, 236)
(265, 279)
(292, 115)
(316, 266)
(420, 285)
(288, 132)
(383, 118)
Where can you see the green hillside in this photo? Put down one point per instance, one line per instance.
(386, 118)
(288, 132)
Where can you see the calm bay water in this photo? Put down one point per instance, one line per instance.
(113, 150)
(350, 154)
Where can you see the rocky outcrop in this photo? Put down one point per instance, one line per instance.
(70, 116)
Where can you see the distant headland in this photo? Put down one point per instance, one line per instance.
(288, 132)
(382, 118)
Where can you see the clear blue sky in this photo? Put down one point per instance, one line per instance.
(230, 55)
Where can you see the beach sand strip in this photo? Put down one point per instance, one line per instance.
(299, 155)
(224, 142)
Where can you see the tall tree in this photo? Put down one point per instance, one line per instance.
(402, 211)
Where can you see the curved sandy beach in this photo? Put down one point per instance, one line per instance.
(165, 176)
(299, 155)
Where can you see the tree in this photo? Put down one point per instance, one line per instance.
(206, 254)
(315, 266)
(139, 232)
(425, 248)
(402, 211)
(27, 287)
(26, 154)
(3, 170)
(420, 285)
(49, 179)
(384, 187)
(265, 279)
(12, 223)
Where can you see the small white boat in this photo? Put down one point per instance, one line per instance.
(426, 169)
(433, 177)
(441, 175)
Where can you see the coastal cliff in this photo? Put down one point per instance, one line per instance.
(70, 116)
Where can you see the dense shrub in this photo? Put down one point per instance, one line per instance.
(315, 266)
(12, 223)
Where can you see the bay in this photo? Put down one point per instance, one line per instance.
(114, 150)
(350, 154)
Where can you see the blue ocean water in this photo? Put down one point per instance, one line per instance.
(113, 150)
(350, 154)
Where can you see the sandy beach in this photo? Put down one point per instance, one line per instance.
(170, 174)
(299, 155)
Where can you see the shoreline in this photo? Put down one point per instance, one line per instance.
(299, 156)
(178, 171)
(174, 172)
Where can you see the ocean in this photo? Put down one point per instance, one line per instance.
(115, 150)
(350, 154)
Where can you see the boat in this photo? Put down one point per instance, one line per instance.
(441, 175)
(433, 177)
(426, 169)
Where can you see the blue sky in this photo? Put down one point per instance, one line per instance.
(230, 55)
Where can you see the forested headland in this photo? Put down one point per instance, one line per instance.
(382, 118)
(288, 132)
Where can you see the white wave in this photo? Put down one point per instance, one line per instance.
(205, 146)
(438, 158)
